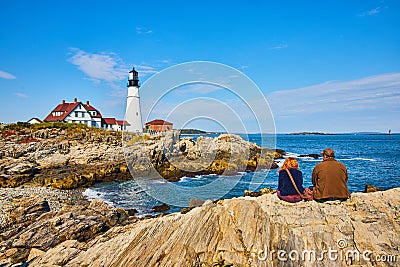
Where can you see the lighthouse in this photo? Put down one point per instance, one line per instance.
(133, 114)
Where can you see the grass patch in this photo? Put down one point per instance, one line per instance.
(45, 125)
(134, 138)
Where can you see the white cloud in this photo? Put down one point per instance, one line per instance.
(21, 95)
(371, 12)
(279, 46)
(6, 75)
(140, 30)
(357, 100)
(382, 91)
(109, 68)
(99, 67)
(374, 11)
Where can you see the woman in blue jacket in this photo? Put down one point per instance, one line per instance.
(286, 190)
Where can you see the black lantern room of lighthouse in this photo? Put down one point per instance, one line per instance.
(133, 78)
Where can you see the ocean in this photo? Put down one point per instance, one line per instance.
(369, 158)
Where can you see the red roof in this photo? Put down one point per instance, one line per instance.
(91, 108)
(113, 121)
(158, 122)
(67, 108)
(122, 122)
(110, 121)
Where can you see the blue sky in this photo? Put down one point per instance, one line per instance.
(331, 66)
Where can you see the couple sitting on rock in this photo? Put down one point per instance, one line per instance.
(329, 179)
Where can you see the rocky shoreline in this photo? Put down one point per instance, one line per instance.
(35, 219)
(70, 157)
(43, 224)
(60, 158)
(36, 231)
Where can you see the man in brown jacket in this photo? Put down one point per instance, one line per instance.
(330, 179)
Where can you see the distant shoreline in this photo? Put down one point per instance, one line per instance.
(310, 133)
(355, 133)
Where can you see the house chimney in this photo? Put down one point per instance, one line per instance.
(75, 100)
(87, 103)
(63, 102)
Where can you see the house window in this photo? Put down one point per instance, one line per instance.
(82, 114)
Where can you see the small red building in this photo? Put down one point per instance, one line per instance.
(157, 126)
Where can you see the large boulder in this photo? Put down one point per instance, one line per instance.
(30, 223)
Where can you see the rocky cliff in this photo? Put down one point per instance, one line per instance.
(246, 231)
(60, 158)
(67, 157)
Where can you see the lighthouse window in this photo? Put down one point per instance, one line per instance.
(137, 114)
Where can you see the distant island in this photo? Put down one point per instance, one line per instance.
(310, 133)
(192, 131)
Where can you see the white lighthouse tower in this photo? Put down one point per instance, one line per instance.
(133, 114)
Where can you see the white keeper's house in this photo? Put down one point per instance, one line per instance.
(78, 112)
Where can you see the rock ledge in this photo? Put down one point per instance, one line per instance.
(240, 230)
